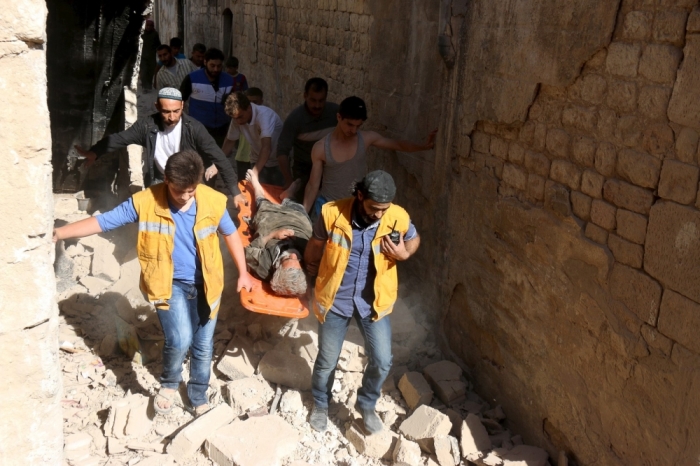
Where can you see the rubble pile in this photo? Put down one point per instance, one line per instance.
(260, 387)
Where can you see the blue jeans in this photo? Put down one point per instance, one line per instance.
(187, 326)
(331, 335)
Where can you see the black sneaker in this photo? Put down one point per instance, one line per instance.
(373, 424)
(319, 419)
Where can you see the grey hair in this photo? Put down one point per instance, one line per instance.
(289, 281)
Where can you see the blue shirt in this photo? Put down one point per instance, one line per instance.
(187, 266)
(356, 291)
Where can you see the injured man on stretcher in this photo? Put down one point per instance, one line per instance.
(280, 233)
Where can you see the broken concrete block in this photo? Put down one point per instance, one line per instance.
(495, 413)
(443, 450)
(121, 416)
(474, 439)
(380, 445)
(94, 285)
(525, 455)
(79, 441)
(190, 439)
(352, 359)
(492, 459)
(425, 424)
(286, 369)
(114, 446)
(291, 402)
(406, 453)
(249, 394)
(445, 377)
(158, 460)
(239, 360)
(140, 418)
(415, 389)
(104, 264)
(256, 441)
(456, 420)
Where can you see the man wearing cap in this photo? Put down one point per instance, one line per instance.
(163, 134)
(353, 251)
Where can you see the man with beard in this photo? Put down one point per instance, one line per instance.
(353, 252)
(163, 134)
(174, 70)
(207, 89)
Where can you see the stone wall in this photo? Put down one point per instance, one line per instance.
(559, 212)
(31, 429)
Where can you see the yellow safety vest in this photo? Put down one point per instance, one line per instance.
(156, 243)
(337, 216)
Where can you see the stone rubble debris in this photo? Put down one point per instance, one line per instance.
(111, 343)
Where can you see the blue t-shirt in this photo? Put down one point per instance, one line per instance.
(187, 266)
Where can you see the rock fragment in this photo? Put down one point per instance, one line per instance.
(379, 445)
(474, 439)
(239, 360)
(249, 394)
(425, 424)
(525, 455)
(286, 369)
(406, 453)
(445, 377)
(190, 439)
(415, 389)
(443, 450)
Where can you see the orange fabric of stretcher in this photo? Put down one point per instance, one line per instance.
(261, 299)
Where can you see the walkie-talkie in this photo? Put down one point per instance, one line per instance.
(395, 236)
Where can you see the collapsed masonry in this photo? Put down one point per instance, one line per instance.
(260, 392)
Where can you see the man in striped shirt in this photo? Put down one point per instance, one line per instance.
(174, 70)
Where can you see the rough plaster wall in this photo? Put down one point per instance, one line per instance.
(571, 276)
(31, 430)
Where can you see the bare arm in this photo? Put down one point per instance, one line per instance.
(235, 248)
(318, 158)
(401, 251)
(228, 146)
(375, 139)
(313, 254)
(263, 157)
(79, 229)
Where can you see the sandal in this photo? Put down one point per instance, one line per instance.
(168, 397)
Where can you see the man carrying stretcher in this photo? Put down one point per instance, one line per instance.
(280, 233)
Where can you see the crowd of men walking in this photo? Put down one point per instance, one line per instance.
(335, 227)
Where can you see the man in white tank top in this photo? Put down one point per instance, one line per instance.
(340, 160)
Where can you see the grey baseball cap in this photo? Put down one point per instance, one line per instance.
(380, 186)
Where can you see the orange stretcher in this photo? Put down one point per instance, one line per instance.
(261, 299)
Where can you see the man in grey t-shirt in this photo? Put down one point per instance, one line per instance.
(305, 125)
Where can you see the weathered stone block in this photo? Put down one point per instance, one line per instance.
(565, 173)
(424, 424)
(515, 176)
(535, 187)
(596, 233)
(628, 130)
(658, 140)
(239, 360)
(637, 25)
(247, 443)
(659, 63)
(669, 27)
(445, 377)
(679, 182)
(679, 319)
(556, 199)
(537, 163)
(653, 101)
(686, 91)
(636, 290)
(626, 252)
(581, 205)
(686, 145)
(583, 151)
(592, 183)
(191, 438)
(499, 148)
(593, 88)
(558, 142)
(656, 339)
(623, 59)
(693, 24)
(631, 226)
(605, 159)
(249, 394)
(379, 445)
(672, 248)
(603, 214)
(628, 196)
(638, 168)
(415, 389)
(406, 453)
(526, 455)
(286, 369)
(474, 438)
(622, 96)
(579, 118)
(481, 142)
(516, 153)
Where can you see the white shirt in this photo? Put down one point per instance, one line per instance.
(264, 123)
(167, 143)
